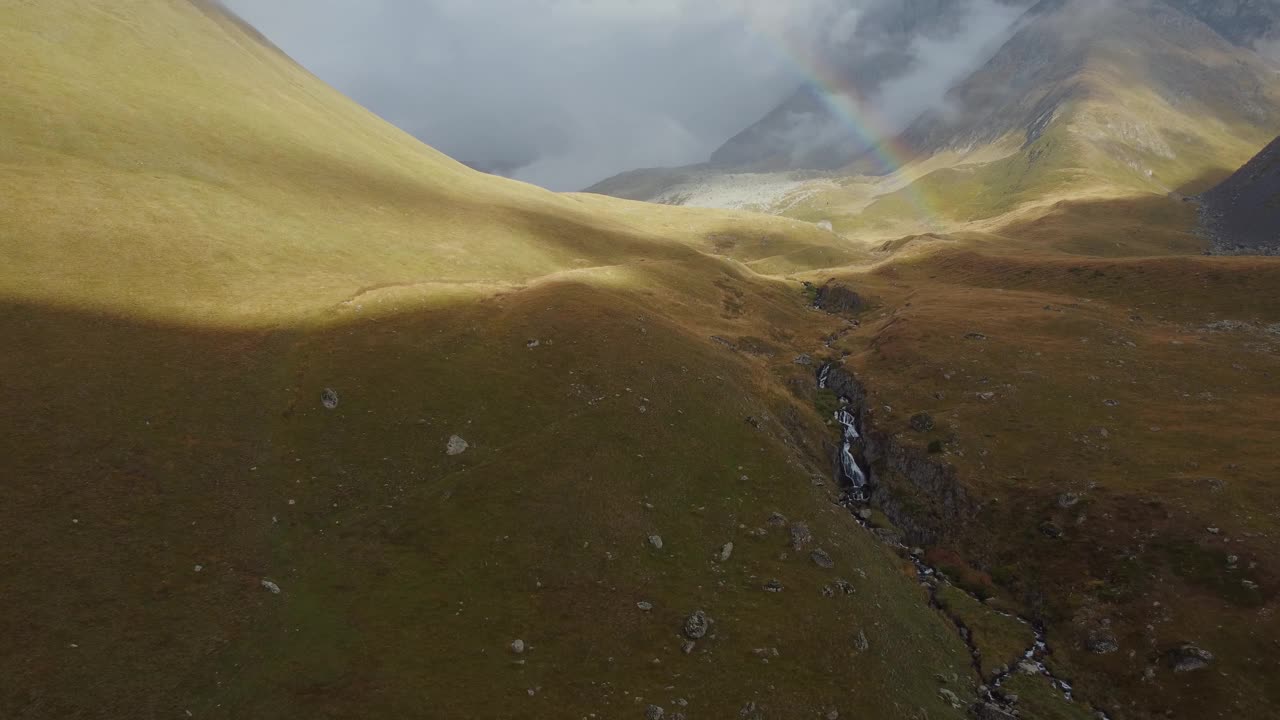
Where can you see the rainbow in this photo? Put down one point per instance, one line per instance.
(854, 111)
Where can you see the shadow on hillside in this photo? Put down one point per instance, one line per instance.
(136, 451)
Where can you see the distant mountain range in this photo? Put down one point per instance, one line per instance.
(1084, 100)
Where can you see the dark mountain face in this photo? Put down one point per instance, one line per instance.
(802, 132)
(1240, 21)
(1023, 79)
(1242, 215)
(1067, 50)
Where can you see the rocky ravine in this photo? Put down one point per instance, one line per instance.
(873, 468)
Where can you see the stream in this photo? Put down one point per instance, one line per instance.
(856, 481)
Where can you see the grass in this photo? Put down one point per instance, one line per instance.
(1064, 336)
(215, 238)
(199, 238)
(1000, 640)
(124, 145)
(1038, 700)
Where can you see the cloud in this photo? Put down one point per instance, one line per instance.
(566, 92)
(1268, 48)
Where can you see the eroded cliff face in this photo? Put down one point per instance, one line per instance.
(1240, 21)
(921, 495)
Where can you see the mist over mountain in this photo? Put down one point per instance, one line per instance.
(898, 60)
(564, 93)
(905, 57)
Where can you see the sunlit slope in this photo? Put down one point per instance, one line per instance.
(181, 201)
(1084, 103)
(160, 156)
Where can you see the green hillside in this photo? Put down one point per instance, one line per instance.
(200, 240)
(302, 418)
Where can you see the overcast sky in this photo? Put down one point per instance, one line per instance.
(563, 93)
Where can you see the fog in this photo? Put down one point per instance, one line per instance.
(564, 93)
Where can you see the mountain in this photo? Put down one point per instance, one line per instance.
(1242, 214)
(778, 141)
(1083, 100)
(302, 418)
(245, 320)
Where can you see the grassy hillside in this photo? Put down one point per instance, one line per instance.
(1115, 416)
(146, 129)
(247, 319)
(201, 240)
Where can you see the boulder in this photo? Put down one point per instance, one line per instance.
(922, 422)
(837, 298)
(696, 625)
(1189, 658)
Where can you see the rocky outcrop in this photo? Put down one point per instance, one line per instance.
(921, 496)
(838, 299)
(1242, 215)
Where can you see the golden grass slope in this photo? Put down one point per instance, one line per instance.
(182, 202)
(160, 157)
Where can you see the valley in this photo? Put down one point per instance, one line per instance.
(303, 418)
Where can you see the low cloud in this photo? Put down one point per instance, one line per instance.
(566, 92)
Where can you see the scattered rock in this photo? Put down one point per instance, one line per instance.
(1111, 403)
(645, 606)
(991, 711)
(456, 446)
(199, 568)
(533, 344)
(822, 559)
(687, 647)
(800, 535)
(975, 336)
(949, 697)
(329, 398)
(833, 715)
(696, 625)
(1028, 668)
(656, 541)
(803, 360)
(861, 643)
(274, 588)
(725, 553)
(1049, 529)
(750, 712)
(1102, 641)
(1189, 658)
(776, 519)
(653, 712)
(517, 646)
(986, 396)
(1068, 500)
(773, 586)
(865, 513)
(845, 587)
(922, 422)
